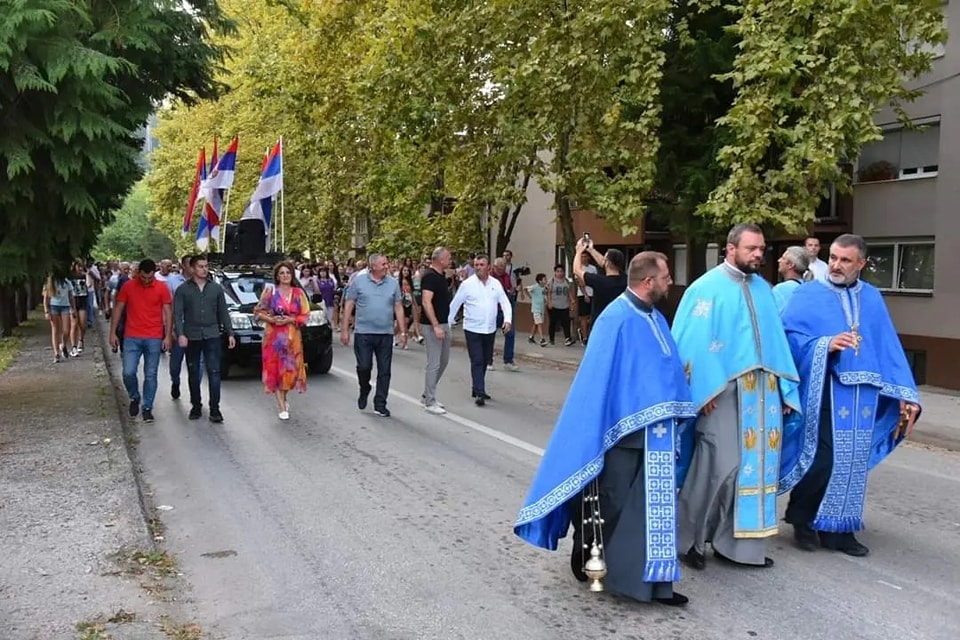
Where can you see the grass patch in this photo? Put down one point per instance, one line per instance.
(9, 348)
(161, 562)
(188, 631)
(92, 630)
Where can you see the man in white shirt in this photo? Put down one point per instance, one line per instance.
(481, 297)
(817, 266)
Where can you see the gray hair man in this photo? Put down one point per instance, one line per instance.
(435, 295)
(794, 269)
(376, 297)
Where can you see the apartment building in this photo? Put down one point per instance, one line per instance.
(906, 204)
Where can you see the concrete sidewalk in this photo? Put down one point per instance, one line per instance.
(939, 424)
(77, 558)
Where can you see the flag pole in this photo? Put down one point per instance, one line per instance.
(223, 220)
(283, 231)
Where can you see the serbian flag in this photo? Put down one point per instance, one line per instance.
(270, 184)
(210, 219)
(221, 177)
(194, 192)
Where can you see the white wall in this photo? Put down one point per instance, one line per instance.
(534, 237)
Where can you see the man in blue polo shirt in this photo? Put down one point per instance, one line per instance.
(376, 297)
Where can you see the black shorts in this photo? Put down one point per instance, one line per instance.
(80, 302)
(583, 307)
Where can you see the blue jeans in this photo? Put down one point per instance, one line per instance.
(510, 338)
(91, 295)
(480, 350)
(150, 349)
(207, 352)
(365, 347)
(177, 354)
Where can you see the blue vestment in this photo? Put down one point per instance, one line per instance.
(728, 330)
(864, 386)
(783, 291)
(630, 380)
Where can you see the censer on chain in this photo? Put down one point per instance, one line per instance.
(595, 567)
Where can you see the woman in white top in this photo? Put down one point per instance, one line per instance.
(58, 309)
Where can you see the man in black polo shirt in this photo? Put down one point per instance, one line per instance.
(606, 286)
(436, 309)
(199, 314)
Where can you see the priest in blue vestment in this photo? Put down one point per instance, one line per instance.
(616, 438)
(860, 400)
(742, 382)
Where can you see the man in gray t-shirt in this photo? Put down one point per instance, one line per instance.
(377, 300)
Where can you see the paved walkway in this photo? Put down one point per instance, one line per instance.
(71, 523)
(939, 425)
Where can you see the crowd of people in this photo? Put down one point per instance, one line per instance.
(675, 438)
(672, 438)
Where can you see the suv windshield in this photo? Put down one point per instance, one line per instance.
(244, 291)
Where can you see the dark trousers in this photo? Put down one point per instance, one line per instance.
(480, 350)
(209, 350)
(366, 346)
(559, 318)
(806, 496)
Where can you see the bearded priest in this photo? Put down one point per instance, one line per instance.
(860, 399)
(610, 466)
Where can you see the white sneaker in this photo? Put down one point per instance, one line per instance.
(423, 401)
(435, 409)
(490, 367)
(74, 352)
(284, 415)
(511, 367)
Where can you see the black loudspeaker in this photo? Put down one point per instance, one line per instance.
(246, 239)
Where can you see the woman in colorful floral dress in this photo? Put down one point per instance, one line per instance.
(283, 309)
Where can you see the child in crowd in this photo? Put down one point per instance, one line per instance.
(538, 305)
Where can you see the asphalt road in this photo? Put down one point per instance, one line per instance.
(341, 524)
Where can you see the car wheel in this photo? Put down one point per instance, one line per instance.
(322, 363)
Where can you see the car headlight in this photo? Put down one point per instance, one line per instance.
(240, 321)
(317, 318)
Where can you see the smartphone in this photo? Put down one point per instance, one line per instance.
(586, 237)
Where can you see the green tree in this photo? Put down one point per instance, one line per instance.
(133, 235)
(77, 81)
(809, 76)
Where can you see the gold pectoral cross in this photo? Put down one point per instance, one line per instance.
(857, 339)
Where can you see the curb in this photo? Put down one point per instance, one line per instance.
(543, 361)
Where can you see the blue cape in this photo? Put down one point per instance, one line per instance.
(813, 316)
(715, 339)
(630, 378)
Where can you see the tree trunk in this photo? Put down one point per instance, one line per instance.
(8, 313)
(696, 258)
(508, 219)
(562, 199)
(21, 299)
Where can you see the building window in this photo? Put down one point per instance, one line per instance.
(680, 264)
(901, 266)
(903, 154)
(714, 256)
(827, 210)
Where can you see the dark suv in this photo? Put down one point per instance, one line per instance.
(243, 289)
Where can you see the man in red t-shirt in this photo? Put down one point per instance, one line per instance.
(148, 331)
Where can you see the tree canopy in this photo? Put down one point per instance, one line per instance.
(78, 81)
(133, 235)
(421, 121)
